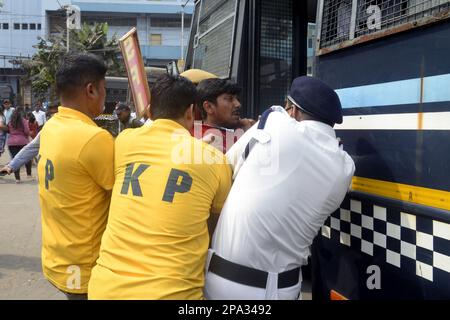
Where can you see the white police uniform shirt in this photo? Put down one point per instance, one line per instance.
(292, 180)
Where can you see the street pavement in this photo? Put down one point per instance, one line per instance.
(20, 242)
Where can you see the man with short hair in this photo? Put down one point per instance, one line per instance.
(218, 100)
(40, 116)
(167, 186)
(7, 110)
(75, 175)
(126, 119)
(290, 174)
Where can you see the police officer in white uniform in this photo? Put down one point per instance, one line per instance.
(290, 174)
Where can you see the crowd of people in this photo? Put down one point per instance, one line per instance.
(174, 208)
(17, 126)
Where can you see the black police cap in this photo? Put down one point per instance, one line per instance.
(316, 98)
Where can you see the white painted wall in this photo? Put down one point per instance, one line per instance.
(19, 42)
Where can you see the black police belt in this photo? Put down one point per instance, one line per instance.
(249, 276)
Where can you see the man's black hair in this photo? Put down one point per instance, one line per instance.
(76, 70)
(210, 89)
(171, 96)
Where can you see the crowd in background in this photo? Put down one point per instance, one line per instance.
(18, 126)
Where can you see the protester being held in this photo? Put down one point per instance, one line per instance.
(290, 174)
(40, 116)
(28, 153)
(7, 110)
(18, 138)
(167, 186)
(75, 175)
(126, 119)
(218, 100)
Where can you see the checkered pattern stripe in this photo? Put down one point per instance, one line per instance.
(414, 243)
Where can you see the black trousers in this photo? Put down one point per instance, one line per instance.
(14, 150)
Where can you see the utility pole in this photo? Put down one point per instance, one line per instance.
(182, 28)
(182, 31)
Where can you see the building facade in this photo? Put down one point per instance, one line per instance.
(23, 21)
(158, 23)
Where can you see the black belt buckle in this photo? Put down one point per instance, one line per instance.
(250, 276)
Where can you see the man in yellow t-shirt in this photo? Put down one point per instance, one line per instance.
(167, 184)
(75, 176)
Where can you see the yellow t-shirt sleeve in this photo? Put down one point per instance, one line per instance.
(224, 173)
(97, 157)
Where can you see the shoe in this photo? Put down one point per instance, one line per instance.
(18, 181)
(30, 178)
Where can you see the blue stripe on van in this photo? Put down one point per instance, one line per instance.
(436, 89)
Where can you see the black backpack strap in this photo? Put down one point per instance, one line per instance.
(261, 126)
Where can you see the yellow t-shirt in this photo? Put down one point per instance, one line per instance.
(75, 173)
(156, 239)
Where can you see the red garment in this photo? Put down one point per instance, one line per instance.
(224, 137)
(34, 127)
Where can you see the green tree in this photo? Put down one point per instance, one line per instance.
(41, 68)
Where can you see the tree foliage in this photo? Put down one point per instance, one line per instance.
(41, 68)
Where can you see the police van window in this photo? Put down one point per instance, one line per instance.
(214, 36)
(343, 20)
(336, 18)
(375, 15)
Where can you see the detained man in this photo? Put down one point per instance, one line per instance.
(218, 101)
(290, 174)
